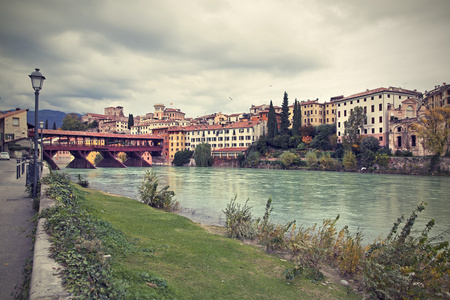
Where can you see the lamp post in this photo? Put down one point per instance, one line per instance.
(41, 126)
(37, 80)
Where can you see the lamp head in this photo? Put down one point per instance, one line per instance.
(37, 80)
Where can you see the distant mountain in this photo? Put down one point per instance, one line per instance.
(51, 115)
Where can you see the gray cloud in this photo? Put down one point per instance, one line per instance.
(197, 54)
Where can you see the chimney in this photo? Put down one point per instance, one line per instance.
(17, 108)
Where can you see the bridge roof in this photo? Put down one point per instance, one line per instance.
(50, 132)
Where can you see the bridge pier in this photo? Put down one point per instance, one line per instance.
(80, 161)
(109, 161)
(135, 159)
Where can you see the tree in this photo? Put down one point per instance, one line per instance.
(202, 155)
(130, 121)
(272, 124)
(353, 127)
(54, 126)
(284, 123)
(182, 158)
(71, 122)
(296, 119)
(321, 140)
(434, 128)
(46, 124)
(369, 146)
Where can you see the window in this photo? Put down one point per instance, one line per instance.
(413, 141)
(409, 111)
(15, 121)
(380, 107)
(381, 129)
(339, 115)
(399, 141)
(380, 138)
(365, 131)
(365, 109)
(357, 101)
(373, 130)
(365, 99)
(389, 95)
(351, 102)
(373, 108)
(379, 96)
(399, 129)
(345, 113)
(373, 120)
(371, 98)
(381, 119)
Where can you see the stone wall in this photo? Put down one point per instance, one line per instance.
(419, 165)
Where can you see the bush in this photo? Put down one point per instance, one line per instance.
(403, 266)
(287, 158)
(253, 158)
(349, 160)
(149, 194)
(328, 163)
(405, 153)
(239, 220)
(311, 159)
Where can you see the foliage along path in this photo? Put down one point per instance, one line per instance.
(195, 263)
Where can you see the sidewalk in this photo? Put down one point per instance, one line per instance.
(16, 213)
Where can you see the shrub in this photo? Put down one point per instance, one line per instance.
(270, 235)
(349, 160)
(327, 162)
(311, 159)
(253, 158)
(239, 220)
(287, 158)
(404, 266)
(149, 194)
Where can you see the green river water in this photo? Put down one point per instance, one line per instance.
(371, 202)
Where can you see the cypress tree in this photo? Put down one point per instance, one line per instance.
(54, 125)
(284, 126)
(297, 119)
(130, 120)
(272, 125)
(46, 124)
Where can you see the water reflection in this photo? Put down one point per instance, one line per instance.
(369, 201)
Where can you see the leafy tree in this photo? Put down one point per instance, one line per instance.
(182, 157)
(434, 128)
(73, 123)
(327, 162)
(130, 121)
(349, 160)
(272, 124)
(353, 127)
(307, 140)
(322, 137)
(307, 130)
(370, 143)
(284, 125)
(296, 119)
(253, 158)
(202, 155)
(281, 141)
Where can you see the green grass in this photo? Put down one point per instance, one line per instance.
(195, 263)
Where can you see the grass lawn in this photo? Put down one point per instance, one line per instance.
(195, 263)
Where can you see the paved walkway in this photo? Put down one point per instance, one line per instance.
(16, 212)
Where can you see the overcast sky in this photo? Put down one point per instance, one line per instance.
(205, 56)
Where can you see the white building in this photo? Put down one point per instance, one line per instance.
(236, 135)
(375, 104)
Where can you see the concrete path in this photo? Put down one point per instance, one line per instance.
(16, 213)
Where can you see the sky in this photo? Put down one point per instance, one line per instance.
(204, 56)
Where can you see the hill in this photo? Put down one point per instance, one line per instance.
(52, 116)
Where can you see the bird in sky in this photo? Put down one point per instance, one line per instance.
(231, 98)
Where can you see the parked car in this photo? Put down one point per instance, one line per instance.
(4, 155)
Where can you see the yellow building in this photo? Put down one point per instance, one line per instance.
(313, 113)
(438, 97)
(177, 141)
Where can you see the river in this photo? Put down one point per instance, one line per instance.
(371, 202)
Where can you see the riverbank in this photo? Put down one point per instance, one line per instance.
(173, 257)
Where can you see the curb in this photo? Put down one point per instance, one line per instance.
(46, 284)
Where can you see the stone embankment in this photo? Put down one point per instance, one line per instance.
(45, 280)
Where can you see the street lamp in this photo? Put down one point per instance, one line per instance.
(41, 126)
(37, 80)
